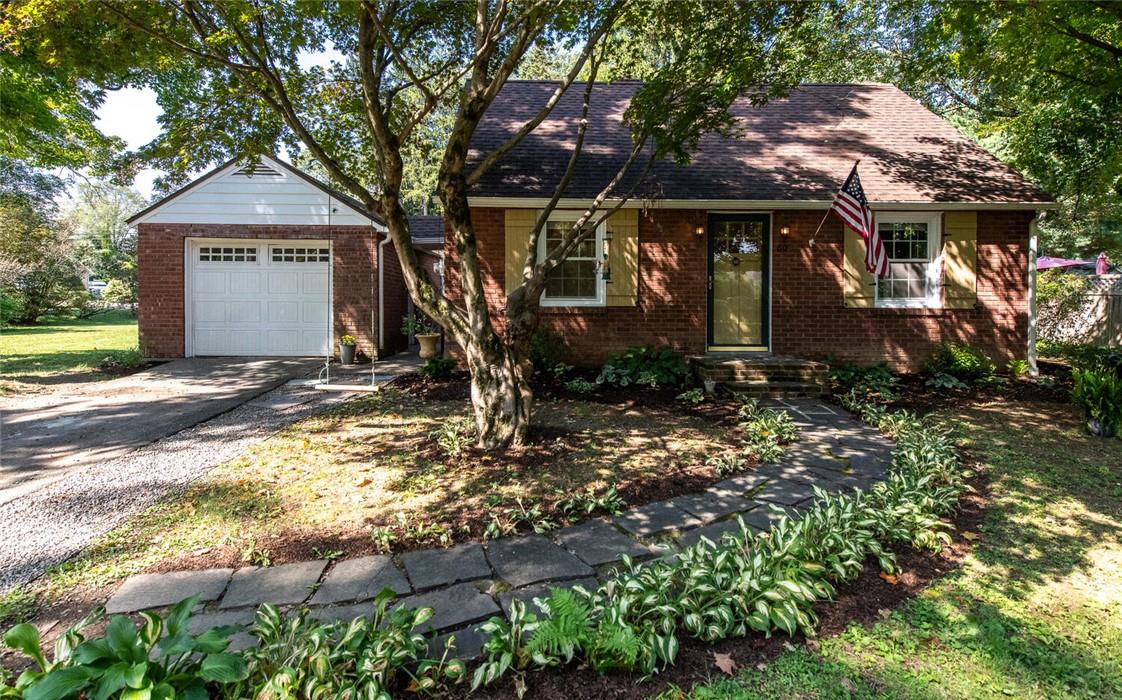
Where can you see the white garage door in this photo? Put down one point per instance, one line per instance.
(264, 298)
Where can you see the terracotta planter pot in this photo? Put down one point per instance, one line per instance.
(347, 354)
(427, 342)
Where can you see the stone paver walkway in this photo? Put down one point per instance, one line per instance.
(471, 582)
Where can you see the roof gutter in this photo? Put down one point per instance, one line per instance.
(755, 204)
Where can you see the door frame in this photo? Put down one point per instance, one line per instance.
(765, 303)
(192, 243)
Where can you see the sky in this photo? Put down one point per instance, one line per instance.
(132, 113)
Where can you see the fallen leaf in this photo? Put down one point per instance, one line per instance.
(364, 482)
(725, 663)
(890, 578)
(969, 536)
(884, 613)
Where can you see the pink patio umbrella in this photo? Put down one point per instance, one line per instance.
(1045, 262)
(1100, 264)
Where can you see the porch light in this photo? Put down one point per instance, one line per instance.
(785, 231)
(606, 265)
(699, 230)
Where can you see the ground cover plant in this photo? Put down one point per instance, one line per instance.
(67, 350)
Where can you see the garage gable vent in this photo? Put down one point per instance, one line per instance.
(257, 170)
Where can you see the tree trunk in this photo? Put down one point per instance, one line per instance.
(501, 396)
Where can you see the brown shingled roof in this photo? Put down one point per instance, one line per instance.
(793, 149)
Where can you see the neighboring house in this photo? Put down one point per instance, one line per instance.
(724, 255)
(264, 260)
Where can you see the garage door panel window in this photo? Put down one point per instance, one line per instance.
(300, 255)
(227, 254)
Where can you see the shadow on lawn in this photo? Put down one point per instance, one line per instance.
(1044, 468)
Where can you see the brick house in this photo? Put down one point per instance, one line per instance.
(264, 260)
(736, 252)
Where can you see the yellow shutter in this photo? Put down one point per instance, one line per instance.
(519, 229)
(858, 285)
(623, 226)
(960, 259)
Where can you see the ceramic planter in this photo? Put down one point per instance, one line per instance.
(346, 354)
(427, 342)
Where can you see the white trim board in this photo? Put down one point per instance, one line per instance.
(746, 205)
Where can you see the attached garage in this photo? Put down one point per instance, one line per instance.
(258, 298)
(260, 259)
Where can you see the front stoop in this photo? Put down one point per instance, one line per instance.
(763, 376)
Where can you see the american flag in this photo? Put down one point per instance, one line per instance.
(852, 206)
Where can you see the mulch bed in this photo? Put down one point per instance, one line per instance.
(866, 600)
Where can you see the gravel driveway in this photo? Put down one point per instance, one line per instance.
(57, 521)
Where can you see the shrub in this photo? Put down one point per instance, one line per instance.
(117, 291)
(694, 396)
(946, 381)
(546, 349)
(160, 659)
(962, 361)
(438, 367)
(644, 366)
(589, 502)
(418, 324)
(1017, 368)
(1099, 394)
(727, 464)
(377, 656)
(876, 380)
(580, 386)
(1083, 356)
(10, 308)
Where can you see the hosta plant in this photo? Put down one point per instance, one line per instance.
(376, 657)
(160, 660)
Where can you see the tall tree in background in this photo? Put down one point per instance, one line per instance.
(105, 242)
(1039, 82)
(227, 76)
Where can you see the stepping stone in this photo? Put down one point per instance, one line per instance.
(786, 492)
(429, 568)
(159, 590)
(714, 532)
(742, 483)
(713, 503)
(282, 401)
(468, 644)
(524, 560)
(541, 590)
(784, 472)
(656, 517)
(341, 613)
(360, 579)
(762, 518)
(453, 606)
(197, 624)
(281, 585)
(598, 542)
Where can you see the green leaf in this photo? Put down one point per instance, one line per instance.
(58, 684)
(178, 616)
(144, 693)
(224, 668)
(136, 674)
(122, 639)
(25, 638)
(112, 680)
(215, 640)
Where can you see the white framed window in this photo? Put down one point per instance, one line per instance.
(577, 281)
(911, 240)
(284, 254)
(227, 254)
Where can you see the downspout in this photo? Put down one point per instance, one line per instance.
(1034, 246)
(381, 294)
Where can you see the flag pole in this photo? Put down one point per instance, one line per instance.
(827, 214)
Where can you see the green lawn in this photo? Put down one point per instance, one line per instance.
(65, 350)
(1036, 611)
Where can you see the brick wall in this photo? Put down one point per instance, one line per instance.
(808, 315)
(810, 320)
(160, 278)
